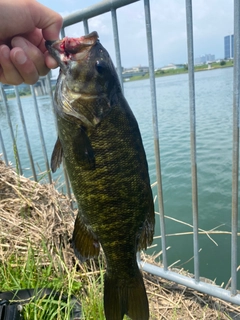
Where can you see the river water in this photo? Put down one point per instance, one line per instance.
(214, 92)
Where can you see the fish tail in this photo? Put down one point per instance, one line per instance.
(125, 297)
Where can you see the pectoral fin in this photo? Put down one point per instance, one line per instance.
(57, 155)
(85, 242)
(83, 150)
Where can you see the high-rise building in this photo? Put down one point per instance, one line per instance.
(228, 46)
(204, 59)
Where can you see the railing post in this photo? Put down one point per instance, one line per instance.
(235, 155)
(155, 129)
(85, 25)
(44, 149)
(25, 133)
(16, 153)
(117, 45)
(3, 148)
(193, 135)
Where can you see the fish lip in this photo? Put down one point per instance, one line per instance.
(68, 48)
(74, 45)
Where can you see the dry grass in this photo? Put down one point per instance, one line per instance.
(31, 213)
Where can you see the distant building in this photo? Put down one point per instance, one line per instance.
(172, 66)
(228, 46)
(135, 71)
(204, 59)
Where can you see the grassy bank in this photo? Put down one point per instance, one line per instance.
(36, 224)
(163, 73)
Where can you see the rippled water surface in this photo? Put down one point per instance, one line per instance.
(214, 154)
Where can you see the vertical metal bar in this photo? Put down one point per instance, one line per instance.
(3, 94)
(41, 134)
(117, 45)
(49, 91)
(235, 160)
(62, 32)
(193, 134)
(3, 148)
(155, 129)
(25, 133)
(16, 153)
(85, 25)
(42, 86)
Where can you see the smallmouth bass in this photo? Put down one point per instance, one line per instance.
(99, 138)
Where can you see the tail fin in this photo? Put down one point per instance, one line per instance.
(125, 297)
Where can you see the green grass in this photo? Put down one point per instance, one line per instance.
(204, 67)
(35, 272)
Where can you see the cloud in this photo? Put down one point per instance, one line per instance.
(212, 21)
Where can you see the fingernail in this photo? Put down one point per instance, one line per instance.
(20, 57)
(5, 52)
(19, 42)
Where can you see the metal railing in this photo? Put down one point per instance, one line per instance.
(112, 6)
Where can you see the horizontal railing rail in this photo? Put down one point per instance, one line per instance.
(95, 10)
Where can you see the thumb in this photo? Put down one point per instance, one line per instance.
(46, 19)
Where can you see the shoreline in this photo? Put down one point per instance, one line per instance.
(175, 72)
(158, 74)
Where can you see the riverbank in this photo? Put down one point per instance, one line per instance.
(163, 73)
(36, 224)
(158, 73)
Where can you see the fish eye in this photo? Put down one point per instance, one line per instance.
(100, 66)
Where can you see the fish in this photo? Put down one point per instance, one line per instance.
(100, 141)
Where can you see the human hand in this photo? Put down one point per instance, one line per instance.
(24, 27)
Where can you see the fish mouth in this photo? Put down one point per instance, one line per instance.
(71, 48)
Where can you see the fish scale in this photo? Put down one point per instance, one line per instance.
(99, 138)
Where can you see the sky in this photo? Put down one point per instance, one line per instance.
(212, 20)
